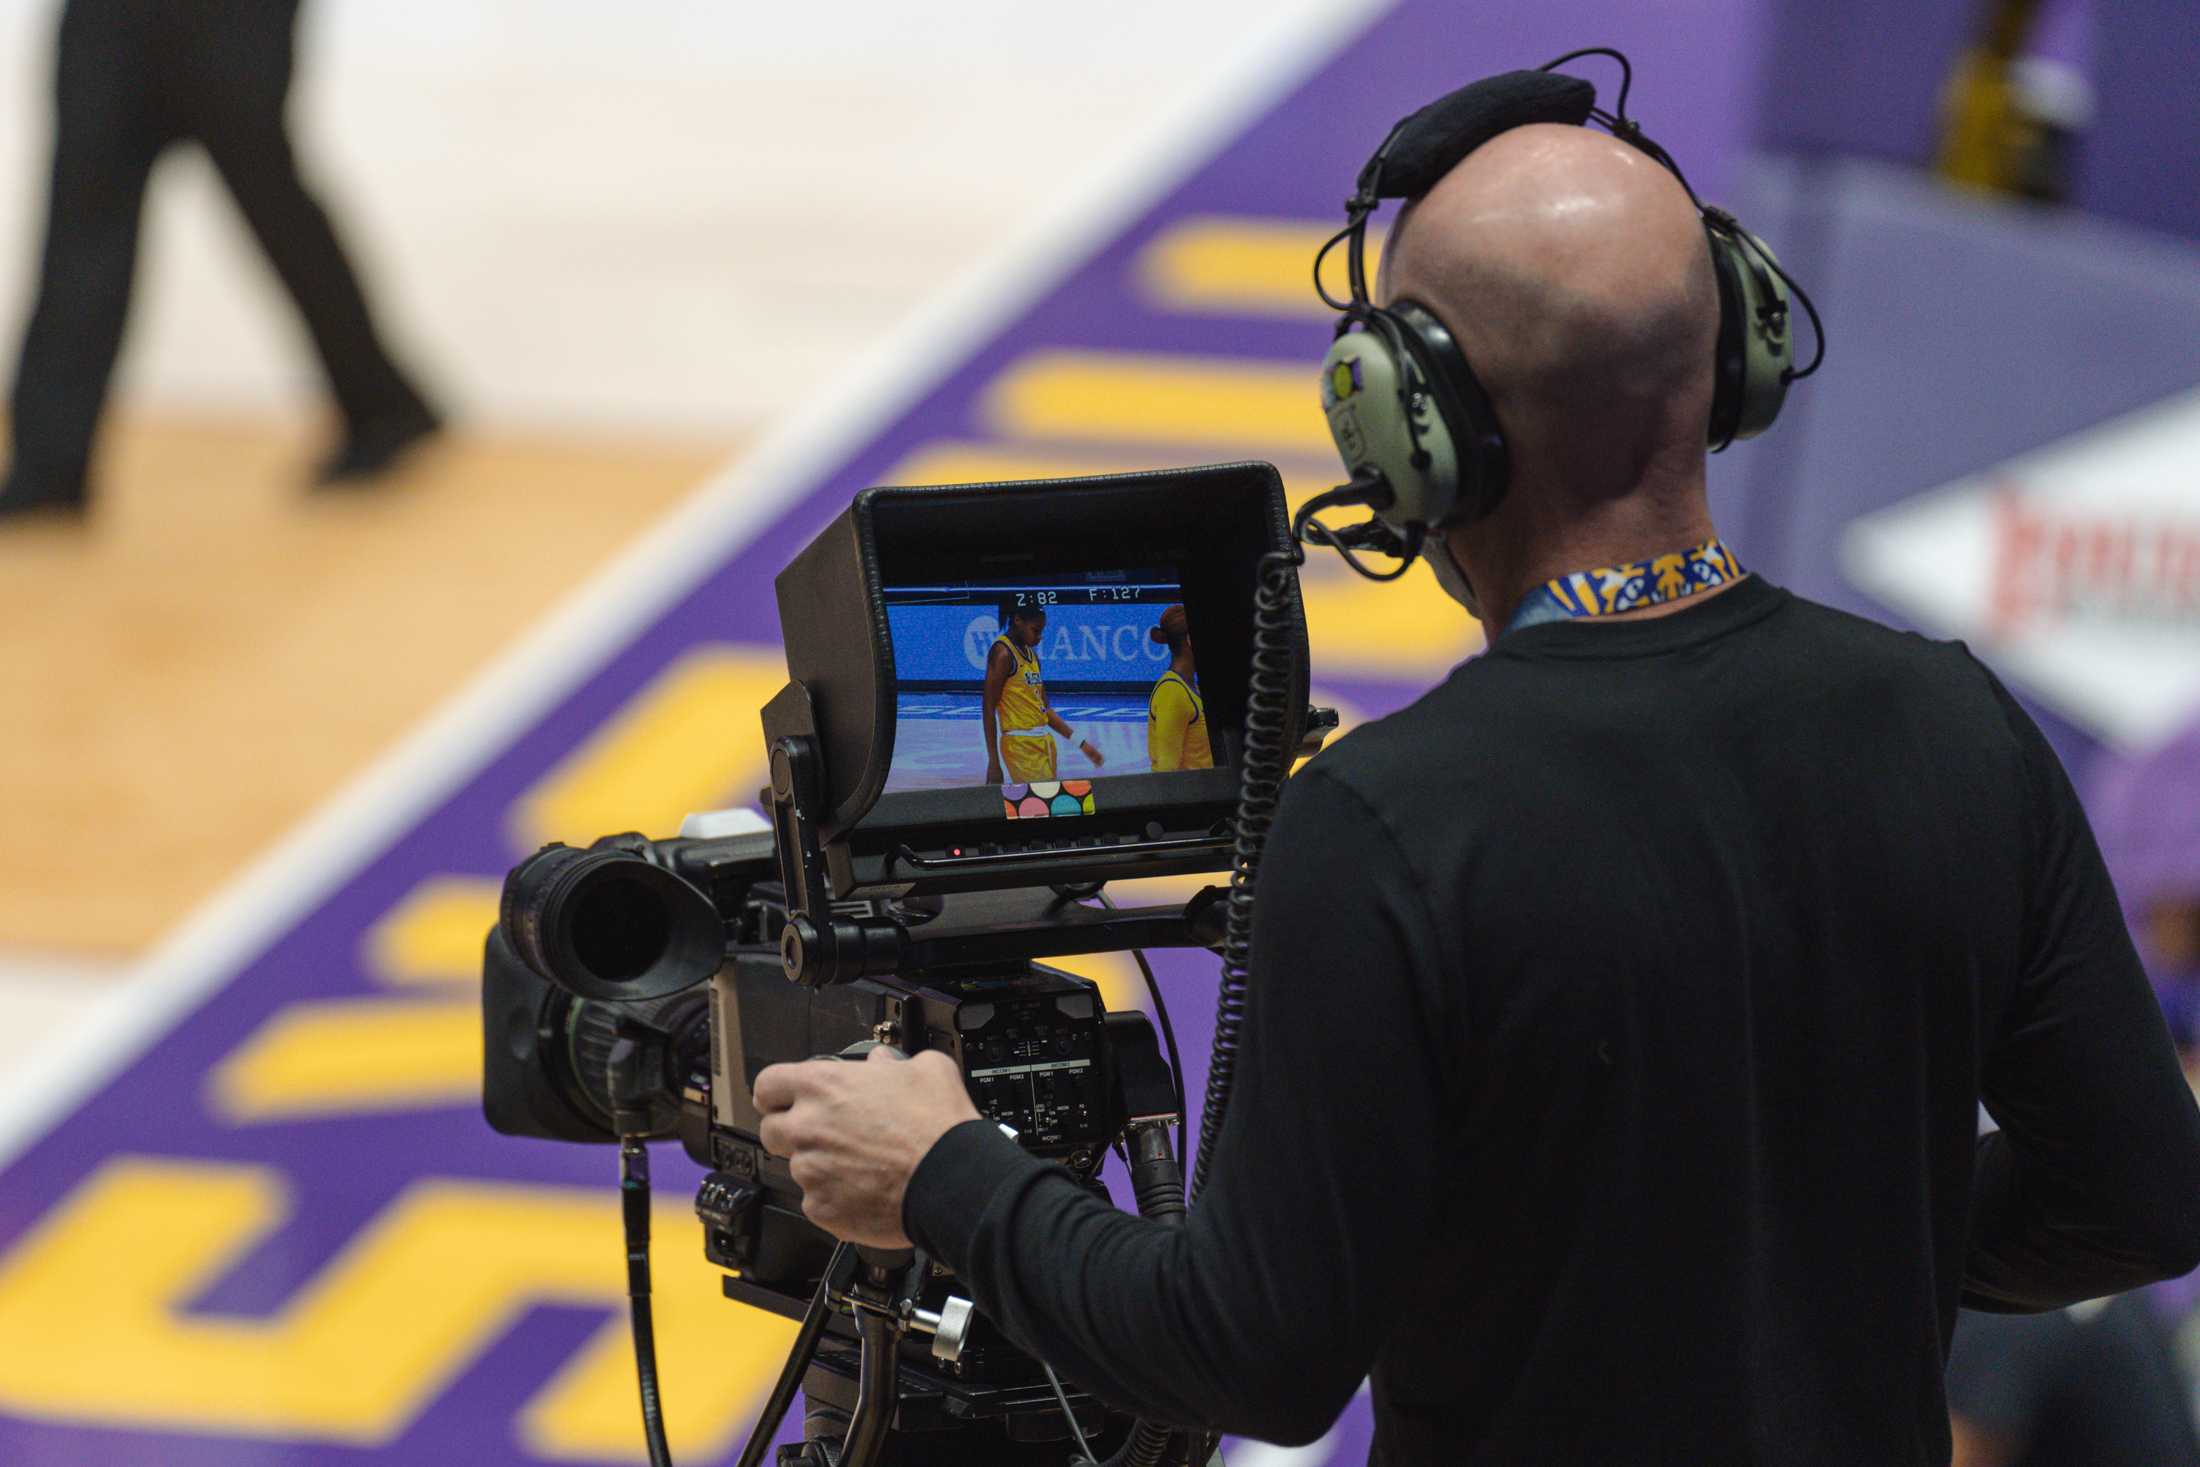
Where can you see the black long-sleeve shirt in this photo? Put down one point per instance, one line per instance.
(1619, 1016)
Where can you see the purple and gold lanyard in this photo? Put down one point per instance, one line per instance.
(1638, 583)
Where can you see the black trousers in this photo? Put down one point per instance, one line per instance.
(134, 77)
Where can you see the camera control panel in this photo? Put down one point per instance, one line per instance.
(1033, 1050)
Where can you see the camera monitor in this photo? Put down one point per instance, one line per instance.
(1034, 682)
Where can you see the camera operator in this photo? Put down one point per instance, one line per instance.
(1621, 1009)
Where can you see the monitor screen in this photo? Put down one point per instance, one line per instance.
(990, 673)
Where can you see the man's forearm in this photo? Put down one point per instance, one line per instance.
(1142, 1313)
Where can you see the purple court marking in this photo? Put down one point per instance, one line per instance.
(1295, 162)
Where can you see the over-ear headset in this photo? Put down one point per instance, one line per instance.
(1411, 419)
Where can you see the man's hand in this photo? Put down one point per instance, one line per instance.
(993, 772)
(1092, 752)
(853, 1134)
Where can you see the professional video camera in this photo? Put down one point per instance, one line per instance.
(926, 846)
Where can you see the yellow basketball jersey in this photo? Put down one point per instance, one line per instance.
(1024, 695)
(1176, 726)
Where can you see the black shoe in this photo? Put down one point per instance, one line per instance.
(22, 497)
(371, 449)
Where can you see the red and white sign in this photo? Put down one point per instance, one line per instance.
(2075, 570)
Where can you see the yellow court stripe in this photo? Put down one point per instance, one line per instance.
(1121, 989)
(1246, 265)
(352, 1055)
(1158, 891)
(689, 741)
(1247, 407)
(101, 1292)
(435, 934)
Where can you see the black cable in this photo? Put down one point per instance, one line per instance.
(1817, 327)
(1168, 1039)
(1085, 1457)
(806, 1337)
(1266, 762)
(1631, 131)
(1168, 1030)
(1163, 1198)
(1149, 1440)
(1408, 549)
(634, 1208)
(1626, 72)
(1157, 1181)
(1367, 487)
(1322, 254)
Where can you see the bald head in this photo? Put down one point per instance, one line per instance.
(1574, 273)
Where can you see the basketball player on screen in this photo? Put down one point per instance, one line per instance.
(1017, 718)
(1176, 716)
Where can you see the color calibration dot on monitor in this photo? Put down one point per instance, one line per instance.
(1047, 797)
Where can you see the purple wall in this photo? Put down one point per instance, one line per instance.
(1860, 76)
(2143, 161)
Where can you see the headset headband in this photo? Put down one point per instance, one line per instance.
(1426, 144)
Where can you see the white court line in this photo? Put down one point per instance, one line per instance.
(1268, 1454)
(432, 762)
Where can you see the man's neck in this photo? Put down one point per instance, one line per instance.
(1508, 561)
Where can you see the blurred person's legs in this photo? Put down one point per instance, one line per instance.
(233, 83)
(107, 133)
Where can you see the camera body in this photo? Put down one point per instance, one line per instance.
(922, 855)
(1031, 1041)
(1039, 1052)
(1038, 1049)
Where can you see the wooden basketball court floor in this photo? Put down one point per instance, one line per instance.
(185, 676)
(216, 648)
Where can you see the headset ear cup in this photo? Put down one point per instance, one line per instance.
(1368, 398)
(1472, 437)
(1756, 343)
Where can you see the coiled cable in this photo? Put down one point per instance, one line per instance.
(1266, 762)
(1262, 770)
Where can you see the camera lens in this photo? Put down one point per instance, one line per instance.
(593, 1028)
(609, 924)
